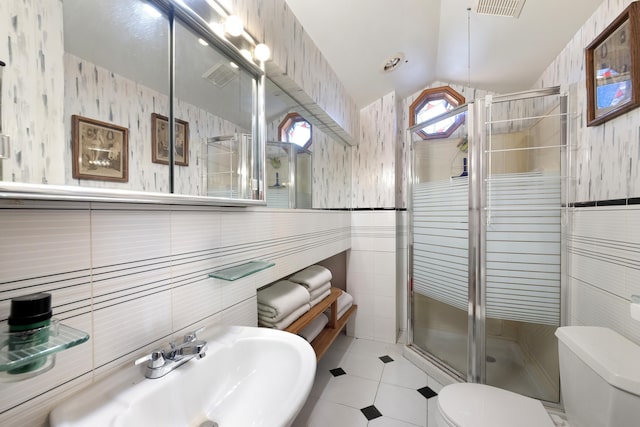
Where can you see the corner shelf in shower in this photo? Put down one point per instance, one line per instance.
(240, 271)
(60, 337)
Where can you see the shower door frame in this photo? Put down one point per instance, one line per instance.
(476, 291)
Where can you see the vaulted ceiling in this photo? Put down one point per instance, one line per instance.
(440, 41)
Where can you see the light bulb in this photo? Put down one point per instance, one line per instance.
(203, 42)
(262, 52)
(233, 26)
(246, 54)
(217, 28)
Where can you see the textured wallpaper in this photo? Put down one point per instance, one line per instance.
(33, 90)
(374, 158)
(296, 58)
(605, 158)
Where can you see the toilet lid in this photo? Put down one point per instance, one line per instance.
(479, 405)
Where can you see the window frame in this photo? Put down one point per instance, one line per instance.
(288, 121)
(446, 93)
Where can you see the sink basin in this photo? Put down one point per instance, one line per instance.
(249, 377)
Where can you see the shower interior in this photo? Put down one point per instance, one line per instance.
(289, 176)
(522, 144)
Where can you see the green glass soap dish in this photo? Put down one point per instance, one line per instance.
(26, 354)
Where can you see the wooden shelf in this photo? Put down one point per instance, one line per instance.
(322, 342)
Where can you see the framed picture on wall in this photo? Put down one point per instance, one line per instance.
(613, 68)
(160, 140)
(100, 150)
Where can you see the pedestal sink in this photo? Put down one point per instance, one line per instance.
(249, 377)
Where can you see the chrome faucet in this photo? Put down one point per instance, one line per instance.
(161, 362)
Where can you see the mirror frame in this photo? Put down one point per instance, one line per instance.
(174, 10)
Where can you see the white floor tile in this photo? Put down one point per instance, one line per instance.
(362, 365)
(322, 379)
(402, 404)
(376, 348)
(403, 373)
(322, 413)
(434, 385)
(351, 391)
(390, 422)
(432, 408)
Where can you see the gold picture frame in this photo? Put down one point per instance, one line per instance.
(613, 68)
(160, 140)
(100, 150)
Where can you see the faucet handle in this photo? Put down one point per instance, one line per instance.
(192, 336)
(155, 359)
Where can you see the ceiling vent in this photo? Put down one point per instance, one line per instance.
(505, 8)
(220, 74)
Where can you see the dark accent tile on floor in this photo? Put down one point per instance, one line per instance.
(371, 412)
(337, 372)
(427, 392)
(385, 359)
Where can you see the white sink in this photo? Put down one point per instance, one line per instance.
(249, 377)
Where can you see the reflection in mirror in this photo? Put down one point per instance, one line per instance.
(289, 176)
(116, 64)
(328, 158)
(216, 98)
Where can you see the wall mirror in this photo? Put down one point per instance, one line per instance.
(117, 108)
(316, 176)
(113, 62)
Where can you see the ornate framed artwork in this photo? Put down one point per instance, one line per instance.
(613, 68)
(160, 141)
(100, 150)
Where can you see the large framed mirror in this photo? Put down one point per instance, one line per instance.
(147, 94)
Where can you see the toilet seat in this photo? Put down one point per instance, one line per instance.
(479, 405)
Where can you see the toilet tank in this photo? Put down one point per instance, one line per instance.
(599, 377)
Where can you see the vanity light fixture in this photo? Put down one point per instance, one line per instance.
(246, 54)
(233, 65)
(203, 42)
(262, 52)
(233, 25)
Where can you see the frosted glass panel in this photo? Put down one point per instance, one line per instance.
(441, 230)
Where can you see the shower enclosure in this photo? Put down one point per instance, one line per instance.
(486, 232)
(228, 167)
(289, 176)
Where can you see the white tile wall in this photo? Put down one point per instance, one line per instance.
(134, 277)
(371, 275)
(604, 249)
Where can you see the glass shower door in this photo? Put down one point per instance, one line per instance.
(439, 249)
(524, 145)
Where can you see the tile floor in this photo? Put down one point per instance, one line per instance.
(363, 383)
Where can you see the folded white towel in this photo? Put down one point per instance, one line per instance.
(345, 301)
(312, 277)
(313, 294)
(280, 299)
(282, 324)
(320, 297)
(313, 329)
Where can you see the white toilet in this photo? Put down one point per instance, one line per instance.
(600, 385)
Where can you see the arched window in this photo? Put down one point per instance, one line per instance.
(294, 128)
(432, 103)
